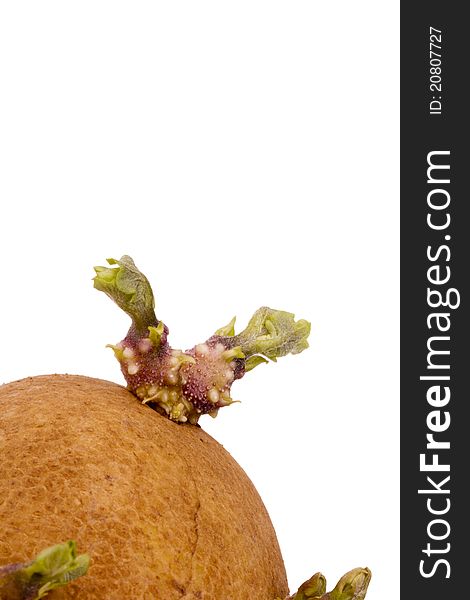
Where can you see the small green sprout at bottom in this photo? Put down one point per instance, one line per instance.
(53, 567)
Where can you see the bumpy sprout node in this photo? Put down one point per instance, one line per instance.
(186, 385)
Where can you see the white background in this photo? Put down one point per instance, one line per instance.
(244, 153)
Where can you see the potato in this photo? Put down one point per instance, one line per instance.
(127, 476)
(162, 509)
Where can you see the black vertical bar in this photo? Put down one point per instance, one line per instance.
(434, 259)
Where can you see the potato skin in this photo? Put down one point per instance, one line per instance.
(162, 508)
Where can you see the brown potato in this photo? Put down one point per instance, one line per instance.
(162, 509)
